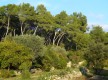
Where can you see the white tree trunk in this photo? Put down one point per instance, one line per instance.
(7, 30)
(54, 38)
(22, 28)
(35, 31)
(60, 39)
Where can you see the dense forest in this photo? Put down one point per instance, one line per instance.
(32, 37)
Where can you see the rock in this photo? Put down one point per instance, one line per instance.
(32, 71)
(17, 72)
(52, 69)
(69, 64)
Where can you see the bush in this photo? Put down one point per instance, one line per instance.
(75, 56)
(95, 55)
(33, 42)
(54, 57)
(6, 73)
(13, 55)
(25, 75)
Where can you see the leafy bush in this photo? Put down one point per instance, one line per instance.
(25, 75)
(6, 73)
(95, 55)
(35, 43)
(55, 56)
(14, 55)
(75, 56)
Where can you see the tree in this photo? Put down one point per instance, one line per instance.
(45, 23)
(98, 34)
(81, 40)
(26, 14)
(106, 38)
(62, 19)
(75, 28)
(9, 11)
(44, 18)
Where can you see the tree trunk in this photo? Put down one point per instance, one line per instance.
(54, 38)
(57, 36)
(7, 30)
(60, 39)
(35, 31)
(14, 32)
(21, 28)
(8, 68)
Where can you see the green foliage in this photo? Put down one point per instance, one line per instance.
(26, 50)
(81, 40)
(75, 56)
(95, 55)
(44, 18)
(25, 75)
(13, 54)
(26, 14)
(98, 34)
(25, 67)
(6, 74)
(61, 19)
(35, 43)
(55, 57)
(106, 38)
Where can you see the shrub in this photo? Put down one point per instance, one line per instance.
(95, 55)
(6, 73)
(56, 57)
(13, 55)
(25, 75)
(33, 42)
(75, 56)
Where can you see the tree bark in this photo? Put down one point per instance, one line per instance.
(22, 28)
(8, 25)
(14, 32)
(35, 31)
(54, 38)
(60, 38)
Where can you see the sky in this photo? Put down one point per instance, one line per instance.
(95, 10)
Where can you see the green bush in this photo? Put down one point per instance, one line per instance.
(25, 75)
(75, 56)
(13, 55)
(96, 55)
(55, 57)
(33, 42)
(6, 73)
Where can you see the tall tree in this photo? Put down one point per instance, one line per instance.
(76, 26)
(26, 13)
(97, 34)
(44, 18)
(10, 10)
(45, 22)
(61, 21)
(6, 13)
